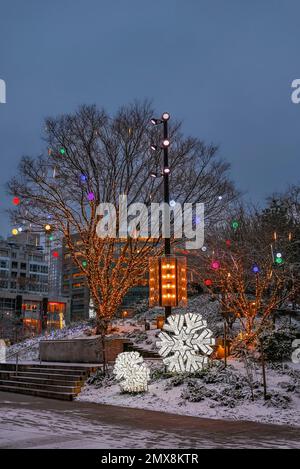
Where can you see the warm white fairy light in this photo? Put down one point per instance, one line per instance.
(131, 372)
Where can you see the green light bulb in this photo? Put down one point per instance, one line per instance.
(235, 225)
(279, 260)
(62, 151)
(84, 263)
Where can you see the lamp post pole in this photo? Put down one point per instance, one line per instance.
(167, 241)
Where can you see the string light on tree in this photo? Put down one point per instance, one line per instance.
(228, 243)
(15, 231)
(84, 263)
(91, 196)
(55, 254)
(62, 151)
(83, 178)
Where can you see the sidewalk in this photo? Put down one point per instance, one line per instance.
(28, 422)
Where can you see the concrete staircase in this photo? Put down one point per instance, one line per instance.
(131, 347)
(55, 381)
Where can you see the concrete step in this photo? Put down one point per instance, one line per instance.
(39, 369)
(65, 371)
(47, 387)
(59, 376)
(65, 366)
(58, 382)
(145, 353)
(38, 392)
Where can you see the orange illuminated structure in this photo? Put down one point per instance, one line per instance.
(32, 321)
(167, 281)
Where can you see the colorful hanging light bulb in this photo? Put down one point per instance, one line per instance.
(215, 265)
(208, 282)
(235, 224)
(255, 269)
(16, 200)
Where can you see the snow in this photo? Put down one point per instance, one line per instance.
(164, 396)
(168, 394)
(29, 348)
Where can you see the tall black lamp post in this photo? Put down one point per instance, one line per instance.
(167, 274)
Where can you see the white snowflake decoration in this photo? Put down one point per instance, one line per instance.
(132, 372)
(2, 351)
(188, 334)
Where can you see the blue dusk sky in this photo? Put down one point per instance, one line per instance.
(224, 67)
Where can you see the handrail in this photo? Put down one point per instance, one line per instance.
(27, 348)
(19, 351)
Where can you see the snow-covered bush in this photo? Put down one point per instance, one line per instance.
(277, 344)
(99, 379)
(196, 392)
(276, 399)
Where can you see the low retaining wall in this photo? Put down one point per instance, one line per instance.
(82, 350)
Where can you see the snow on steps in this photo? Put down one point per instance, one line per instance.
(62, 382)
(131, 347)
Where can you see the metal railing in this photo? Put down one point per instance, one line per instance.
(17, 353)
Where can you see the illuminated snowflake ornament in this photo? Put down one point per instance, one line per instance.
(131, 372)
(182, 338)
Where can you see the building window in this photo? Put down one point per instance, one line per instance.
(14, 265)
(78, 274)
(23, 266)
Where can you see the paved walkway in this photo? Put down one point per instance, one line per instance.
(33, 422)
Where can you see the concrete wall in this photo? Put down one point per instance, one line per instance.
(85, 350)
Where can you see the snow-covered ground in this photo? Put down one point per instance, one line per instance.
(218, 394)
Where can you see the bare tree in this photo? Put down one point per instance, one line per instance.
(93, 158)
(241, 270)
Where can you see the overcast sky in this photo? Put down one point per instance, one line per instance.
(224, 67)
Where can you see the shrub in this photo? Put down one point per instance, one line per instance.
(277, 344)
